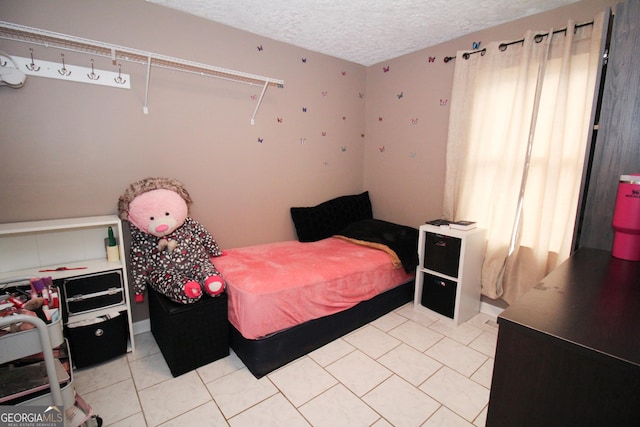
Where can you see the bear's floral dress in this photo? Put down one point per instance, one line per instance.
(167, 271)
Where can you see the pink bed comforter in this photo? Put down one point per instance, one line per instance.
(274, 286)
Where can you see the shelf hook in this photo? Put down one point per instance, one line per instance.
(119, 79)
(32, 66)
(93, 75)
(63, 71)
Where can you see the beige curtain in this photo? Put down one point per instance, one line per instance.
(520, 121)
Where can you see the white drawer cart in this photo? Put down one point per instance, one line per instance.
(449, 272)
(27, 248)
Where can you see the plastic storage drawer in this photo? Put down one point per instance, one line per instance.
(92, 292)
(439, 294)
(442, 254)
(97, 340)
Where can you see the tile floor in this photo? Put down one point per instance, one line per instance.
(406, 368)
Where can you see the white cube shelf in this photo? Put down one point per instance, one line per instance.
(449, 272)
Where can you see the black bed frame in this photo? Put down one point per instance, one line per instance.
(264, 355)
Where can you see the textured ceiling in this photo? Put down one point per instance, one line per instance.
(363, 31)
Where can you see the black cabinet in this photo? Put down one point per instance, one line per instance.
(568, 350)
(616, 151)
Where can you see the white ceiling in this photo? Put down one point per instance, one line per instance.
(363, 31)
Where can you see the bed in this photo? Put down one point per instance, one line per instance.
(289, 298)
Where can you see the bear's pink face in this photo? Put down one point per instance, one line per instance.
(158, 212)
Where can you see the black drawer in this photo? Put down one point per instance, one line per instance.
(92, 292)
(442, 254)
(98, 339)
(439, 294)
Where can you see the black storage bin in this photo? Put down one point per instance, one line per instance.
(439, 294)
(92, 292)
(189, 335)
(93, 343)
(442, 254)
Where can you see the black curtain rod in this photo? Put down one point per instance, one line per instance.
(503, 46)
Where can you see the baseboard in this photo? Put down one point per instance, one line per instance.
(141, 326)
(487, 307)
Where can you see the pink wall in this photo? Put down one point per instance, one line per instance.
(407, 178)
(70, 149)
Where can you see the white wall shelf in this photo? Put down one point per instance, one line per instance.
(50, 39)
(78, 244)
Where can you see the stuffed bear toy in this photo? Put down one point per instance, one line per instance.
(170, 251)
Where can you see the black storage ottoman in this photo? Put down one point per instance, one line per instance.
(189, 335)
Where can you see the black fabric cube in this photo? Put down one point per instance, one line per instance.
(189, 335)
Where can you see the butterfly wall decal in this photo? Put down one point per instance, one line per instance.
(443, 102)
(380, 118)
(386, 69)
(381, 149)
(412, 154)
(476, 45)
(360, 95)
(279, 119)
(432, 59)
(304, 60)
(343, 148)
(304, 109)
(260, 48)
(260, 140)
(414, 121)
(324, 133)
(344, 73)
(325, 93)
(254, 97)
(400, 95)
